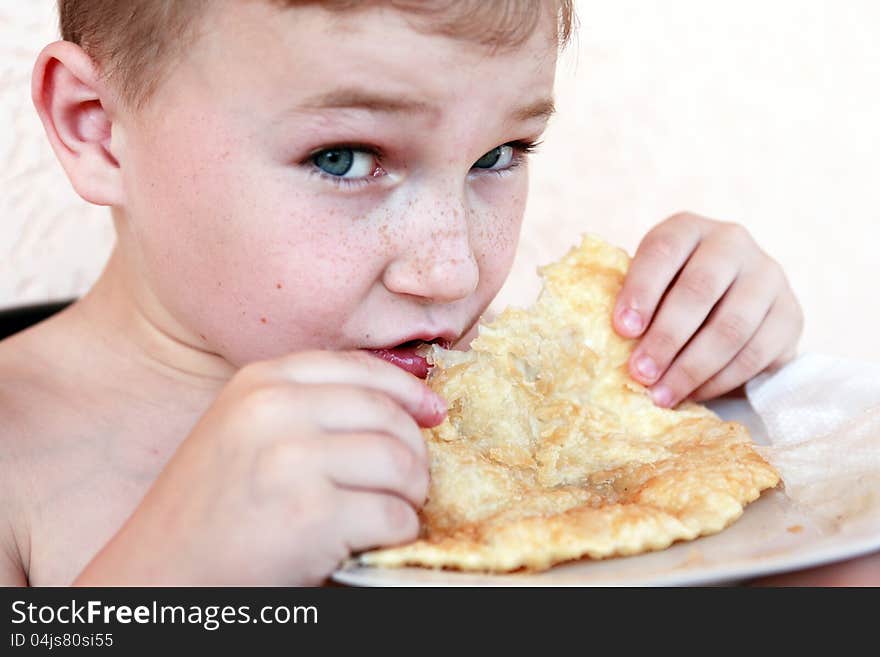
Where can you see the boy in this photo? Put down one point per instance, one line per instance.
(302, 193)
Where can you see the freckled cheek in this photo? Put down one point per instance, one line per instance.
(496, 232)
(306, 277)
(182, 188)
(266, 268)
(190, 238)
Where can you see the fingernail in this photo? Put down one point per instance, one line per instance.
(439, 405)
(662, 396)
(434, 412)
(646, 366)
(631, 321)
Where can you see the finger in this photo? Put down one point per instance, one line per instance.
(734, 321)
(660, 256)
(770, 342)
(347, 409)
(705, 278)
(375, 462)
(362, 369)
(368, 520)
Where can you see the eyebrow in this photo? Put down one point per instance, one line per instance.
(354, 98)
(541, 109)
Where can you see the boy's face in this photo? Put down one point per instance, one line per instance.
(311, 179)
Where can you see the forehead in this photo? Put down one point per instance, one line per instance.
(503, 22)
(261, 53)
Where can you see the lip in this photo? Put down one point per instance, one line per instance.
(404, 355)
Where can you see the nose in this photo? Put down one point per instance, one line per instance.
(437, 263)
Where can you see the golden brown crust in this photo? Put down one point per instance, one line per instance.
(551, 452)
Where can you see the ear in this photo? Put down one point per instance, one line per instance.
(71, 98)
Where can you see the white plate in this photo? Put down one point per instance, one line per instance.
(772, 536)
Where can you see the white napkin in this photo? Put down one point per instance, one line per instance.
(822, 417)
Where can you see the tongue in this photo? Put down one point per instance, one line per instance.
(406, 358)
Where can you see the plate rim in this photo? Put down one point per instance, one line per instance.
(738, 571)
(829, 548)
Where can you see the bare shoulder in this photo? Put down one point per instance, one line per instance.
(26, 382)
(35, 392)
(33, 409)
(84, 431)
(19, 384)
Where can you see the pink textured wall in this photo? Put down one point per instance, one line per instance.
(759, 112)
(52, 244)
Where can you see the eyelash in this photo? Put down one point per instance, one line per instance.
(522, 148)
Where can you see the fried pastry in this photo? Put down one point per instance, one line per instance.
(551, 452)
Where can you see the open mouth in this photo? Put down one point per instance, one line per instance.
(410, 356)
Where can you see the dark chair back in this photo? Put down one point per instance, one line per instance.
(18, 318)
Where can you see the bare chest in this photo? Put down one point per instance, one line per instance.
(79, 487)
(74, 516)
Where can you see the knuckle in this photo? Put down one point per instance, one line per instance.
(751, 359)
(734, 329)
(253, 374)
(686, 377)
(399, 517)
(266, 411)
(276, 465)
(385, 407)
(409, 473)
(662, 247)
(403, 464)
(660, 344)
(304, 361)
(772, 273)
(682, 217)
(735, 232)
(262, 402)
(700, 284)
(423, 484)
(706, 391)
(421, 446)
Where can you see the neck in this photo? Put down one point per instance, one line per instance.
(121, 313)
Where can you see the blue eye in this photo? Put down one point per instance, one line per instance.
(500, 157)
(345, 162)
(334, 162)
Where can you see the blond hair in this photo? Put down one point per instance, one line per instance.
(133, 42)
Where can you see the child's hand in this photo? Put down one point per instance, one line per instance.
(714, 310)
(299, 462)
